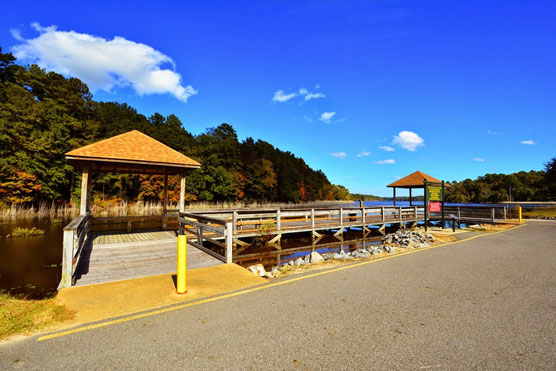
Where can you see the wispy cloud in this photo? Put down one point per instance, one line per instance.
(479, 159)
(341, 120)
(103, 64)
(408, 140)
(388, 161)
(340, 155)
(492, 132)
(326, 116)
(307, 95)
(280, 96)
(363, 154)
(387, 148)
(528, 142)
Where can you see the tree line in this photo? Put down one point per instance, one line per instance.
(44, 115)
(521, 186)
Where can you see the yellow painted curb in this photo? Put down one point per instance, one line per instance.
(253, 289)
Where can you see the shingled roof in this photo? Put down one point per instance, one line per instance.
(413, 180)
(133, 151)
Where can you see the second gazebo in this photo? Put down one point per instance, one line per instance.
(413, 180)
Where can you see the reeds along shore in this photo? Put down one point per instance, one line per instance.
(140, 208)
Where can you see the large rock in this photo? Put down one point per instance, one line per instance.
(315, 257)
(258, 269)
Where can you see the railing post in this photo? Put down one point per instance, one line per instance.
(341, 217)
(229, 240)
(129, 226)
(505, 213)
(459, 213)
(492, 214)
(415, 212)
(400, 210)
(278, 224)
(382, 214)
(67, 259)
(234, 221)
(363, 216)
(313, 219)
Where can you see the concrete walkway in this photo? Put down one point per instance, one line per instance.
(485, 303)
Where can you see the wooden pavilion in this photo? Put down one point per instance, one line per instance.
(413, 180)
(133, 153)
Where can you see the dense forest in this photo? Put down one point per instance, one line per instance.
(522, 186)
(43, 115)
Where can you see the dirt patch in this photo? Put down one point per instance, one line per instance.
(23, 317)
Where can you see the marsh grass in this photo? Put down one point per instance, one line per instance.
(25, 232)
(21, 316)
(114, 208)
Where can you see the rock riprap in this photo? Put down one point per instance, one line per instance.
(391, 242)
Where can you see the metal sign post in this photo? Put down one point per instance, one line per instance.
(426, 206)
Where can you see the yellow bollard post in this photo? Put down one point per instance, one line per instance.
(519, 213)
(182, 265)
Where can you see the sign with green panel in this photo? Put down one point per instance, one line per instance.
(435, 192)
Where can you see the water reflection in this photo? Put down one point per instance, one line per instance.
(298, 245)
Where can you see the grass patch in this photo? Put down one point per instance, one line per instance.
(540, 212)
(26, 232)
(21, 316)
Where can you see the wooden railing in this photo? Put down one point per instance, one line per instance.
(208, 229)
(130, 223)
(75, 238)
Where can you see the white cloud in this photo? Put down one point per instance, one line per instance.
(341, 120)
(280, 96)
(528, 142)
(308, 119)
(326, 116)
(103, 64)
(341, 155)
(388, 161)
(479, 159)
(387, 148)
(364, 154)
(408, 140)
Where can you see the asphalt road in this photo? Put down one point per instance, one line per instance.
(487, 303)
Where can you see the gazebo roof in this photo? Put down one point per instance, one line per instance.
(413, 180)
(132, 152)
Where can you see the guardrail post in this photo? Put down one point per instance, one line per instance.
(67, 259)
(519, 213)
(505, 213)
(459, 213)
(492, 214)
(278, 224)
(229, 241)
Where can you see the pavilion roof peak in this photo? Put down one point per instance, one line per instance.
(132, 147)
(414, 180)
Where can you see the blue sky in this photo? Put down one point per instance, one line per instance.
(366, 91)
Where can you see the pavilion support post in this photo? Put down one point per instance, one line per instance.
(394, 196)
(182, 193)
(165, 206)
(410, 198)
(85, 205)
